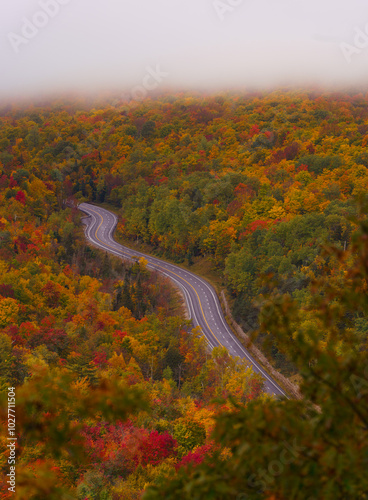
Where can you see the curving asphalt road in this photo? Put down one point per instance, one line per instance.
(201, 299)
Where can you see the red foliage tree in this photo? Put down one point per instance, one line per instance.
(100, 359)
(155, 448)
(254, 130)
(12, 183)
(21, 197)
(257, 224)
(302, 168)
(195, 457)
(51, 294)
(7, 291)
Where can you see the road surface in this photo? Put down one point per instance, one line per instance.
(203, 305)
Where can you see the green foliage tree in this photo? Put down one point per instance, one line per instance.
(189, 435)
(318, 164)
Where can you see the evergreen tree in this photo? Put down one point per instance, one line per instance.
(126, 297)
(106, 266)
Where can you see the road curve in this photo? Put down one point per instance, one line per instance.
(203, 305)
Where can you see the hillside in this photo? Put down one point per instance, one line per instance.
(247, 188)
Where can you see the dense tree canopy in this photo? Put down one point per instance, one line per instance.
(310, 449)
(249, 188)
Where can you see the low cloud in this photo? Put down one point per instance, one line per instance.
(86, 45)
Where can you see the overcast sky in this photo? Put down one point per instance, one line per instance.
(140, 45)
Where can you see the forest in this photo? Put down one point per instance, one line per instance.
(265, 193)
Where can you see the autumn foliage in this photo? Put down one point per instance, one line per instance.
(249, 187)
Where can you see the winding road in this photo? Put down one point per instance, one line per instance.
(203, 305)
